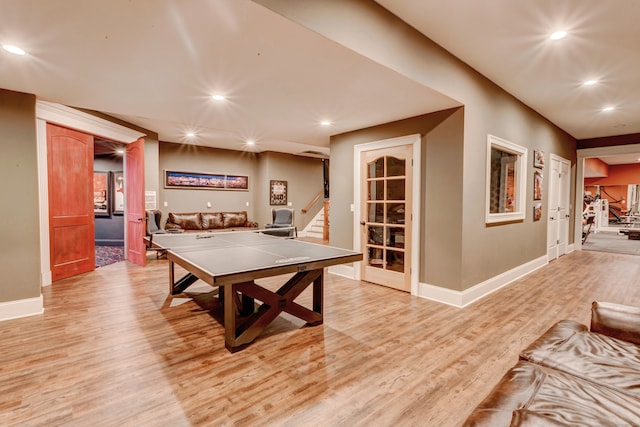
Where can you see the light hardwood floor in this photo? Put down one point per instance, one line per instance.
(113, 349)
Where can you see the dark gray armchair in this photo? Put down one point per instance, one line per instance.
(281, 223)
(153, 219)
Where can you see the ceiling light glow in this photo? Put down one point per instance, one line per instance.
(218, 97)
(558, 35)
(325, 123)
(589, 82)
(251, 142)
(190, 134)
(13, 49)
(607, 109)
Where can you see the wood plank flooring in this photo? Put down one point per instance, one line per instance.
(112, 349)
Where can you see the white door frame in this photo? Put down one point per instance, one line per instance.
(581, 155)
(415, 141)
(47, 112)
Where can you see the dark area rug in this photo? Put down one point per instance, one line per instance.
(106, 255)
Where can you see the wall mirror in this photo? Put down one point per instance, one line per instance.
(506, 181)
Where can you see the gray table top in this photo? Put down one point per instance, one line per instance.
(229, 253)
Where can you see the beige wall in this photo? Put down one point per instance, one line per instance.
(441, 199)
(303, 175)
(19, 214)
(369, 30)
(304, 181)
(192, 158)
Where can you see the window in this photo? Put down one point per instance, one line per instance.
(506, 181)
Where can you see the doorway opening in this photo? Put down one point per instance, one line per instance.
(108, 201)
(611, 204)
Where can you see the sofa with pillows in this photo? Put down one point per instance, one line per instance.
(208, 221)
(573, 376)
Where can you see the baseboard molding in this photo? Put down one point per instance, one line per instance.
(109, 242)
(21, 308)
(343, 270)
(461, 299)
(46, 278)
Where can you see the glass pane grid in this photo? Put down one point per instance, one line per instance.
(386, 213)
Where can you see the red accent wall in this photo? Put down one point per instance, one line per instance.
(618, 175)
(594, 167)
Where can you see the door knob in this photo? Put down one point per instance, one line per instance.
(362, 223)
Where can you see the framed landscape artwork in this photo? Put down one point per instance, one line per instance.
(206, 181)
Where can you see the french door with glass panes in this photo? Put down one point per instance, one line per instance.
(386, 216)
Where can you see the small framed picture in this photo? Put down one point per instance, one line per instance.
(538, 159)
(537, 211)
(537, 185)
(278, 192)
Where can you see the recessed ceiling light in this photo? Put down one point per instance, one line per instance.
(325, 123)
(250, 142)
(218, 97)
(13, 49)
(558, 35)
(606, 109)
(120, 151)
(190, 134)
(589, 82)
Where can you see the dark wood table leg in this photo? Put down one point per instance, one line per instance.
(229, 319)
(318, 296)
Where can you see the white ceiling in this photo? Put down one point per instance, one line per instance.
(156, 63)
(507, 41)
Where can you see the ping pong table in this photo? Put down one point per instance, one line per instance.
(233, 261)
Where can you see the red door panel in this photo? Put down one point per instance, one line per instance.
(134, 180)
(71, 219)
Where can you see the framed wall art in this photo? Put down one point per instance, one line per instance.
(101, 193)
(537, 211)
(538, 159)
(118, 192)
(537, 185)
(277, 192)
(206, 181)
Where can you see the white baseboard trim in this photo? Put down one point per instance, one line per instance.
(343, 270)
(461, 299)
(46, 278)
(571, 248)
(21, 308)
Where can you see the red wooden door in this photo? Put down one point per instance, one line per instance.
(134, 190)
(71, 217)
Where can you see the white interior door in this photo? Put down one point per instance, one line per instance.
(564, 206)
(558, 208)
